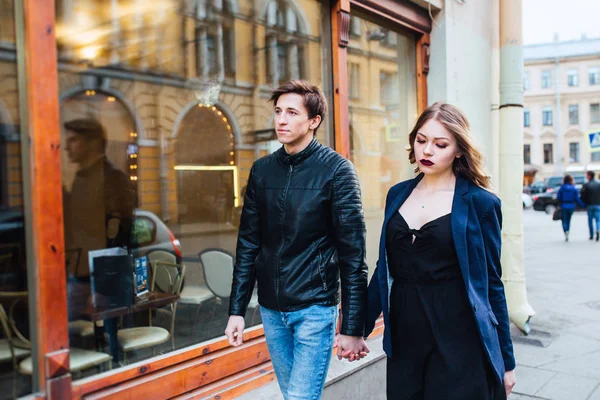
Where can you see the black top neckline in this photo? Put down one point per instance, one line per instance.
(425, 224)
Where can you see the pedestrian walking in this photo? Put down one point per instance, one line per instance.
(568, 199)
(302, 230)
(446, 331)
(590, 195)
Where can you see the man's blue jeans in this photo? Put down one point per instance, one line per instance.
(300, 344)
(593, 212)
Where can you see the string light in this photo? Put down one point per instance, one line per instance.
(111, 99)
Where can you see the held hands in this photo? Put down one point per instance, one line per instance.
(351, 348)
(235, 330)
(509, 381)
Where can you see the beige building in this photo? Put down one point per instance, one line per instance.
(562, 105)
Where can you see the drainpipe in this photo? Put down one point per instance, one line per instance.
(511, 162)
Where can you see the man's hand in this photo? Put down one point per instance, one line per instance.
(509, 381)
(235, 330)
(351, 348)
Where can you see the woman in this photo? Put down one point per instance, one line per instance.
(567, 197)
(446, 330)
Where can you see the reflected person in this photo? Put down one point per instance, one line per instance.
(98, 211)
(302, 228)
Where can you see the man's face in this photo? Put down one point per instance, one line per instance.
(291, 120)
(79, 149)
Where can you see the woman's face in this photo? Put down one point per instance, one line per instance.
(435, 148)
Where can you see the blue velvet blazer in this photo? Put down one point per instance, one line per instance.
(476, 221)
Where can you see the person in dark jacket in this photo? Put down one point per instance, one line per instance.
(590, 195)
(438, 278)
(302, 229)
(568, 198)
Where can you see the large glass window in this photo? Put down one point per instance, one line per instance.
(15, 331)
(381, 118)
(526, 118)
(158, 142)
(596, 156)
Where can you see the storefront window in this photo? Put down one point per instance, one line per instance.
(383, 63)
(15, 335)
(163, 111)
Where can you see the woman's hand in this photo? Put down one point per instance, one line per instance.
(509, 381)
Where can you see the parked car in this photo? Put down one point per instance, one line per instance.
(553, 183)
(537, 187)
(149, 233)
(527, 200)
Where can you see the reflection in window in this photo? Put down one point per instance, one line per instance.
(382, 110)
(596, 156)
(285, 42)
(169, 138)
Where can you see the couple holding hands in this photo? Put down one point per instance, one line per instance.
(437, 280)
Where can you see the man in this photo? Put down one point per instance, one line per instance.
(590, 195)
(99, 208)
(302, 228)
(98, 211)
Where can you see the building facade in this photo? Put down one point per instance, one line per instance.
(562, 104)
(181, 89)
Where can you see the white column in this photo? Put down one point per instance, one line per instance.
(511, 162)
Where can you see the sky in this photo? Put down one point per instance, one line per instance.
(569, 18)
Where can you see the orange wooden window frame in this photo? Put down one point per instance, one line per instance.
(200, 371)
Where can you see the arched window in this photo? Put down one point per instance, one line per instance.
(215, 39)
(206, 173)
(285, 43)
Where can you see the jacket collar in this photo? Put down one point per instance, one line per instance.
(295, 159)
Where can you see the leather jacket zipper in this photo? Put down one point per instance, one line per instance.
(278, 267)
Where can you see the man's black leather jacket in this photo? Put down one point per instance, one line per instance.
(302, 228)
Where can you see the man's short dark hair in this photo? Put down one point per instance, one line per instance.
(568, 180)
(591, 175)
(89, 128)
(314, 99)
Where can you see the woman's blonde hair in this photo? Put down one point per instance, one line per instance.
(470, 164)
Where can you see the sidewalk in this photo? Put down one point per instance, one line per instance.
(563, 286)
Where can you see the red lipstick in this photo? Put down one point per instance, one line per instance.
(426, 163)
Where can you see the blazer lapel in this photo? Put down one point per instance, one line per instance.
(459, 219)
